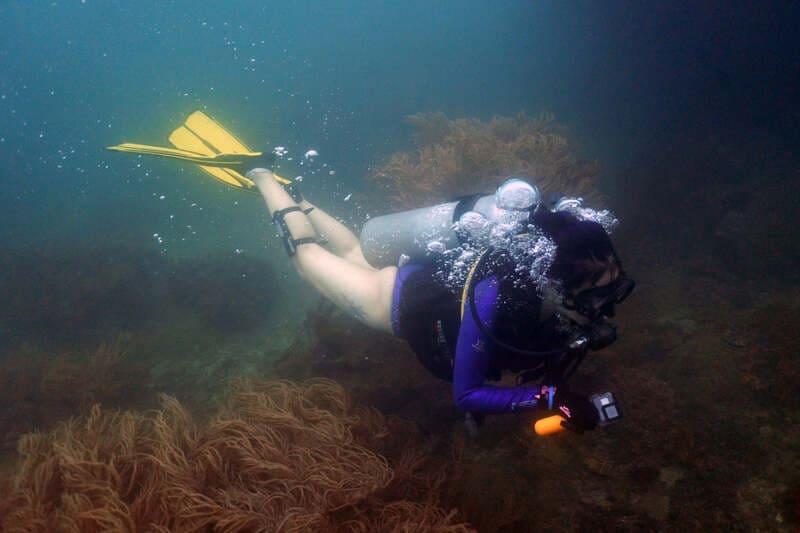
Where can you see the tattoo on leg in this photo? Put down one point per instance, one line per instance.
(354, 309)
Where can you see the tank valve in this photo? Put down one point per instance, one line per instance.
(516, 195)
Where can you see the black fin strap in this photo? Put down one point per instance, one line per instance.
(281, 213)
(291, 244)
(305, 240)
(294, 192)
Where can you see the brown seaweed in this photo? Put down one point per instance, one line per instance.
(278, 456)
(464, 156)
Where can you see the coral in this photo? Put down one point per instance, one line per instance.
(278, 456)
(464, 156)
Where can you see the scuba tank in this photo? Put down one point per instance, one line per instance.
(436, 229)
(418, 234)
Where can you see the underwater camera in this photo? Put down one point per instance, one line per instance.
(606, 406)
(607, 410)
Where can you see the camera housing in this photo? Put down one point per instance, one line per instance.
(607, 407)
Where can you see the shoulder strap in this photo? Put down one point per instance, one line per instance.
(469, 294)
(468, 283)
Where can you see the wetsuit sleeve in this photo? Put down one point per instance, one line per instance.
(473, 357)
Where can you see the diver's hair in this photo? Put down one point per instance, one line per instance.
(583, 248)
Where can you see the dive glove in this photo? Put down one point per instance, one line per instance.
(578, 411)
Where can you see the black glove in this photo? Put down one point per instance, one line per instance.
(578, 411)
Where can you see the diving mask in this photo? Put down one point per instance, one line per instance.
(599, 301)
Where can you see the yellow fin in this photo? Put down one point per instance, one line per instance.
(202, 140)
(213, 135)
(229, 176)
(218, 159)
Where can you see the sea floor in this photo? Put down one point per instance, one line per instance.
(706, 371)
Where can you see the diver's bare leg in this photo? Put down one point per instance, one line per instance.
(364, 293)
(342, 241)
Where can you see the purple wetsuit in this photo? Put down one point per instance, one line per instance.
(474, 353)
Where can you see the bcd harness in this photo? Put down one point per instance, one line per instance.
(552, 367)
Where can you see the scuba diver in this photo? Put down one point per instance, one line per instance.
(536, 287)
(477, 286)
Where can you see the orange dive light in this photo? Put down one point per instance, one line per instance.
(607, 412)
(549, 425)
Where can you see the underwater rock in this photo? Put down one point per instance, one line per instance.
(669, 475)
(78, 293)
(760, 238)
(759, 504)
(230, 293)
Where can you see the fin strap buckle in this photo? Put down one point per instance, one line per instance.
(294, 192)
(291, 244)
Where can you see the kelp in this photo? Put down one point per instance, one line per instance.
(456, 157)
(278, 456)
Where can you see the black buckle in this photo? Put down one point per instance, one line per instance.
(291, 244)
(294, 192)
